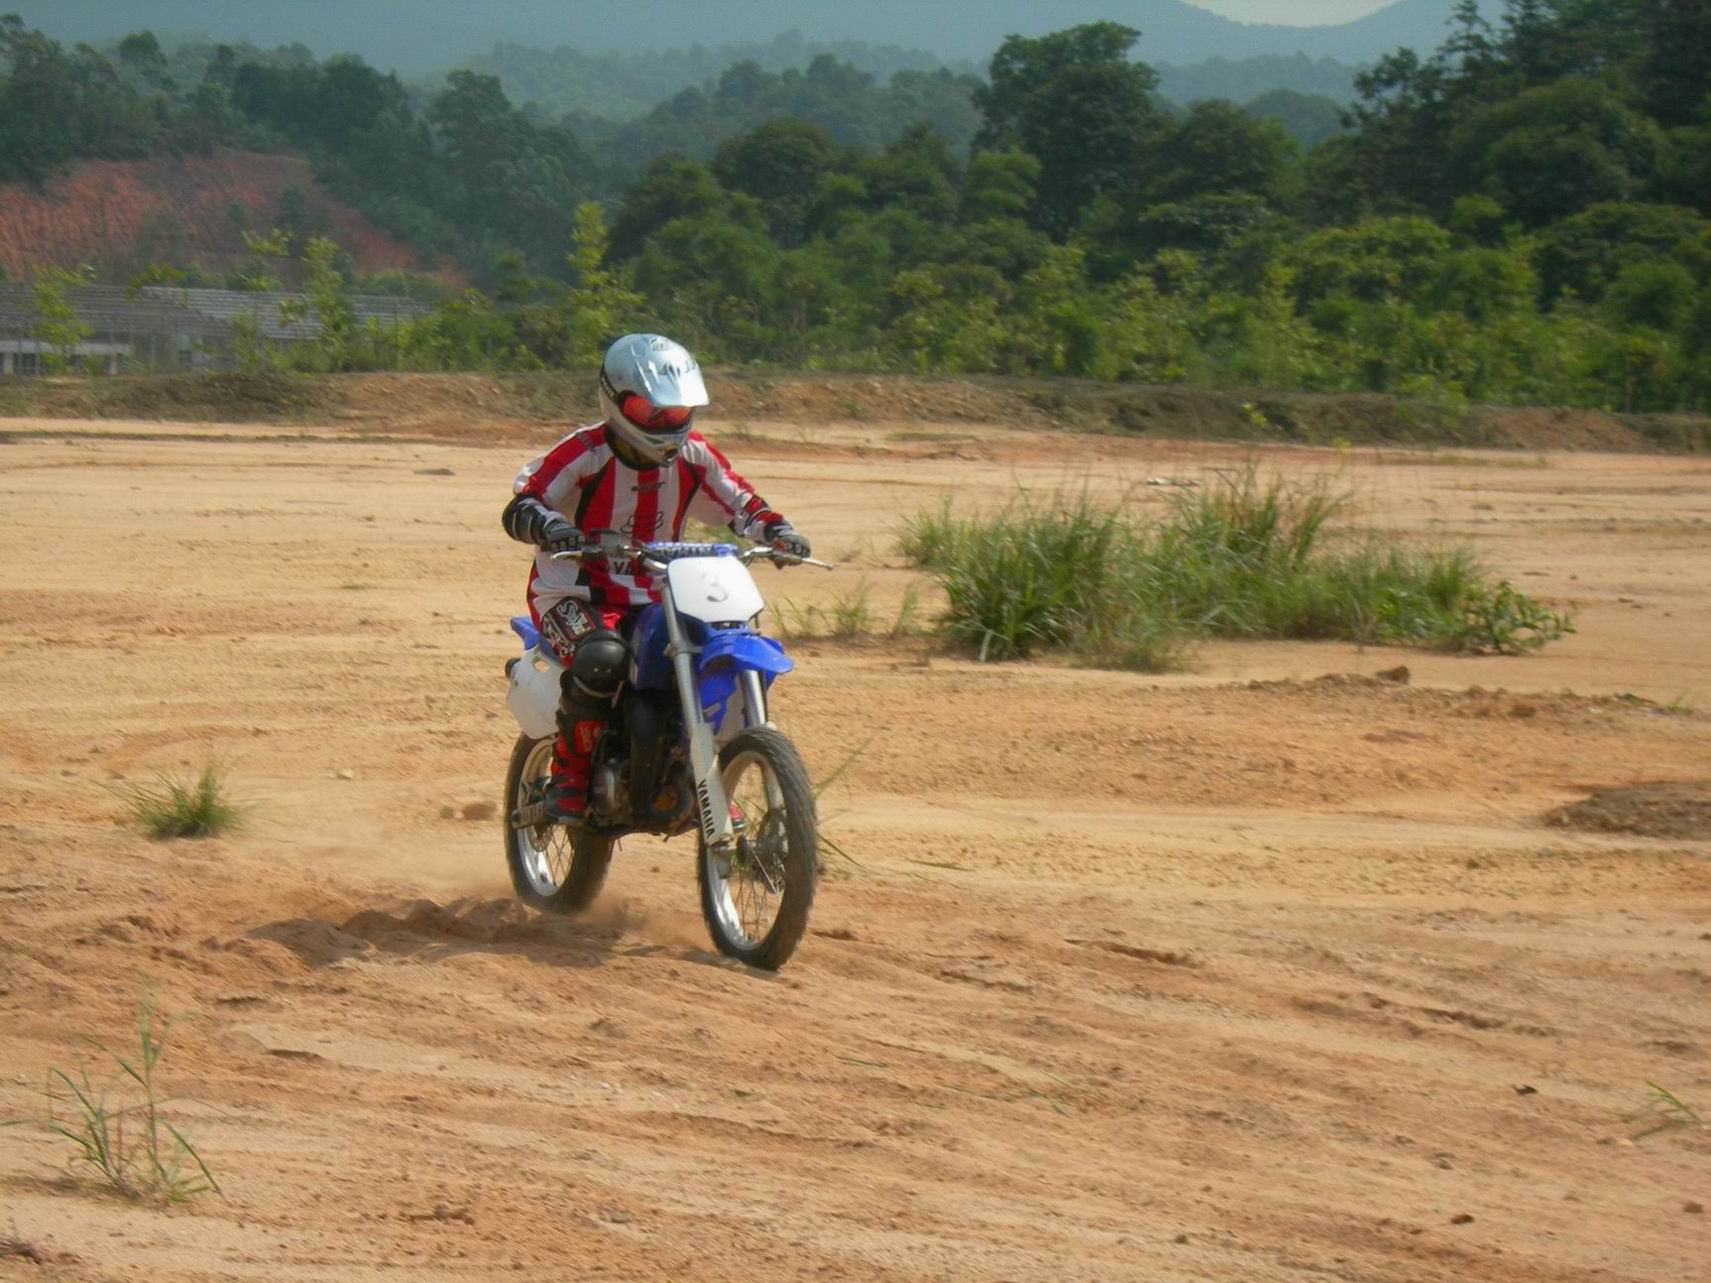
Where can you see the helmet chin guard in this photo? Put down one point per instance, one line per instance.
(664, 374)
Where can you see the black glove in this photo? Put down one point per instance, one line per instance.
(782, 536)
(558, 535)
(528, 520)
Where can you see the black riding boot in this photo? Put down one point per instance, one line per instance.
(589, 686)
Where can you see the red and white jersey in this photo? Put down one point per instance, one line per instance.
(582, 479)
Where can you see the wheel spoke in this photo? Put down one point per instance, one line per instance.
(757, 891)
(547, 849)
(752, 889)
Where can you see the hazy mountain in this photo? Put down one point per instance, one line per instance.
(619, 86)
(1244, 78)
(418, 36)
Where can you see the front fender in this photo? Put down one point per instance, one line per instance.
(723, 658)
(743, 649)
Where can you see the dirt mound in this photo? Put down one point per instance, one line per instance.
(269, 397)
(488, 408)
(1662, 810)
(122, 214)
(1197, 413)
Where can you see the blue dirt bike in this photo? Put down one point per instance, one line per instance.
(688, 746)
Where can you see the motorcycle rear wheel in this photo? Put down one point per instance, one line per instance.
(756, 901)
(553, 868)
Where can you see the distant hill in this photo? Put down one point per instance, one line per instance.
(1307, 118)
(420, 36)
(121, 215)
(1245, 78)
(618, 86)
(1179, 33)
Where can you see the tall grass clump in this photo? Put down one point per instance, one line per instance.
(127, 1144)
(1056, 573)
(177, 808)
(1244, 557)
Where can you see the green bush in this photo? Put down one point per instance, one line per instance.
(1052, 575)
(1244, 557)
(175, 808)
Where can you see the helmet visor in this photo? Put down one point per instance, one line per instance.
(654, 418)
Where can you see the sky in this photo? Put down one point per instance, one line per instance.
(1295, 13)
(416, 37)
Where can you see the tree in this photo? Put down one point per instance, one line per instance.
(915, 171)
(259, 275)
(508, 176)
(1377, 260)
(780, 164)
(602, 307)
(1684, 172)
(1548, 40)
(999, 184)
(1307, 118)
(38, 103)
(672, 187)
(329, 296)
(1218, 149)
(1655, 295)
(1584, 254)
(710, 277)
(1552, 151)
(1675, 74)
(57, 322)
(1074, 102)
(140, 54)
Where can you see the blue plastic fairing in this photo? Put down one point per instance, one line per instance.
(648, 643)
(524, 627)
(746, 650)
(726, 654)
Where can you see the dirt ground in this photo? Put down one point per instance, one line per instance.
(1265, 971)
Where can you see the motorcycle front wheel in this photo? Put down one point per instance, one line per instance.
(554, 869)
(756, 898)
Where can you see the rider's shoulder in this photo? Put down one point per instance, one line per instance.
(581, 440)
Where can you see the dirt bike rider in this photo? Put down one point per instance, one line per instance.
(640, 472)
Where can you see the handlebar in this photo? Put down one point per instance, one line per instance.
(656, 556)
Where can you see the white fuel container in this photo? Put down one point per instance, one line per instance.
(533, 697)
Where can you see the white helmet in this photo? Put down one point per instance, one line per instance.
(649, 390)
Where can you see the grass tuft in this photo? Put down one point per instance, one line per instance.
(845, 617)
(1245, 557)
(177, 808)
(826, 840)
(908, 621)
(131, 1148)
(1664, 1111)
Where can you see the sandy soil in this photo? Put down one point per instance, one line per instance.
(1251, 973)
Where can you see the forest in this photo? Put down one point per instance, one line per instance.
(1521, 215)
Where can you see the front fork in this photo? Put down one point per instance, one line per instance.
(711, 803)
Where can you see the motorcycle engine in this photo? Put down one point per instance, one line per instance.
(605, 789)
